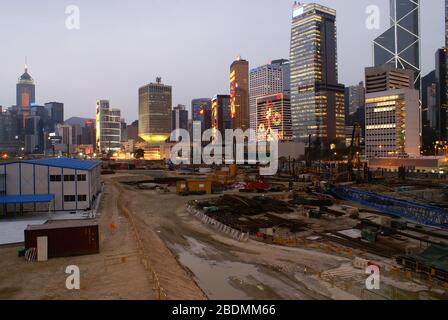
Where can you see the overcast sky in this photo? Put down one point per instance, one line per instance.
(122, 45)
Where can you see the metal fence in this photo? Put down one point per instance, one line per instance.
(423, 214)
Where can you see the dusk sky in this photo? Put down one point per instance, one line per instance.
(123, 45)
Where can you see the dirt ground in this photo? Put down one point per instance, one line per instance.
(115, 273)
(227, 269)
(250, 270)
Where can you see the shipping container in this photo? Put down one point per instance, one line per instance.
(194, 187)
(66, 238)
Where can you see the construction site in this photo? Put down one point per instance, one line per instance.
(192, 232)
(323, 230)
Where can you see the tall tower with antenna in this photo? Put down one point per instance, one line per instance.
(25, 93)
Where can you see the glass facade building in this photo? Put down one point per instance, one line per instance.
(108, 127)
(400, 44)
(221, 119)
(269, 79)
(317, 99)
(201, 112)
(441, 80)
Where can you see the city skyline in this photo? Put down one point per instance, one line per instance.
(118, 75)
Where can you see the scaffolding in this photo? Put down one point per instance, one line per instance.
(420, 213)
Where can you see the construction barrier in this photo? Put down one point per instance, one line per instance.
(235, 234)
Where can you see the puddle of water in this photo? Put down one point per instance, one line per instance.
(226, 280)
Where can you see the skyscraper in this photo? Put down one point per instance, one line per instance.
(387, 77)
(201, 111)
(266, 80)
(430, 114)
(55, 112)
(179, 118)
(393, 114)
(446, 23)
(221, 119)
(155, 103)
(400, 44)
(442, 91)
(108, 127)
(317, 99)
(239, 94)
(25, 94)
(356, 97)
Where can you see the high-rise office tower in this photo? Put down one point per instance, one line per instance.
(400, 44)
(221, 119)
(393, 114)
(239, 94)
(266, 80)
(286, 73)
(88, 133)
(442, 91)
(430, 114)
(25, 94)
(179, 118)
(55, 112)
(133, 131)
(124, 130)
(446, 23)
(108, 127)
(387, 77)
(201, 110)
(356, 97)
(317, 99)
(155, 103)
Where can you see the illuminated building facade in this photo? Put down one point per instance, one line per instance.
(220, 114)
(274, 113)
(317, 99)
(108, 127)
(400, 44)
(202, 112)
(239, 94)
(266, 80)
(25, 95)
(393, 124)
(155, 103)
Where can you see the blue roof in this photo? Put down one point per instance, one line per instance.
(68, 163)
(33, 198)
